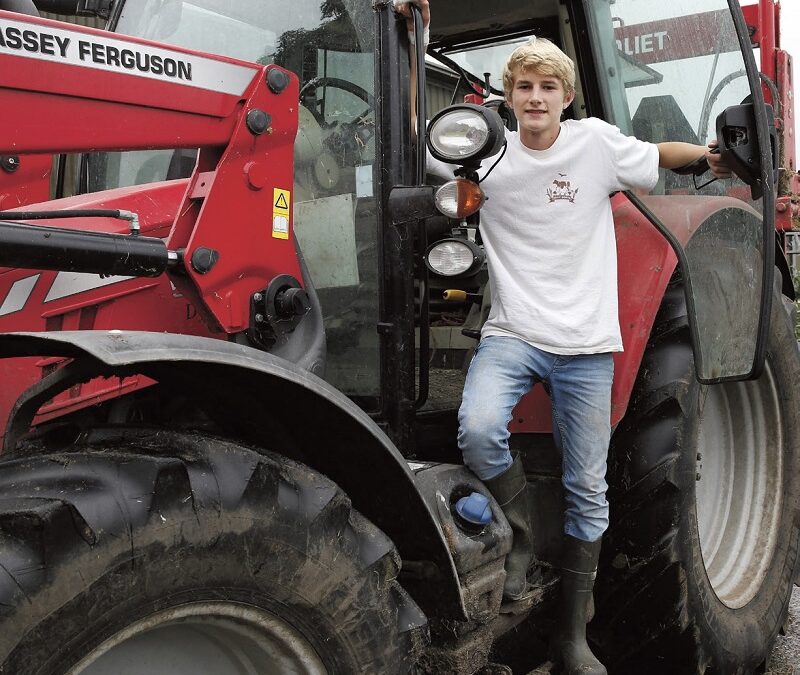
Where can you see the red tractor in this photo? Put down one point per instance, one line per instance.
(237, 315)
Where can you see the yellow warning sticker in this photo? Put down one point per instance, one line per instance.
(281, 202)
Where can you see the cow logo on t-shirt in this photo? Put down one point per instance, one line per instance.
(561, 189)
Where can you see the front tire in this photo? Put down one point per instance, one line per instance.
(699, 561)
(157, 552)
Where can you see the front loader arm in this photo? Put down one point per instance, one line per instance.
(74, 89)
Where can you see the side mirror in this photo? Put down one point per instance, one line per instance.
(738, 143)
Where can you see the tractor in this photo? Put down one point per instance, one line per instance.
(236, 314)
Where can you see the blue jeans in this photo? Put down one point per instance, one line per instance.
(502, 371)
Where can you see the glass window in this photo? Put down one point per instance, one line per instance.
(488, 59)
(329, 44)
(669, 69)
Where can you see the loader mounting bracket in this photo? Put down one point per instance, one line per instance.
(277, 310)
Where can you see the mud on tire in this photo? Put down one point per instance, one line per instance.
(699, 560)
(185, 544)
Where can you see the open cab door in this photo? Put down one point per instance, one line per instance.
(685, 71)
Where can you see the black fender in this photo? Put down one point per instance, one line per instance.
(269, 403)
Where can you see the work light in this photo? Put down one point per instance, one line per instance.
(465, 134)
(454, 257)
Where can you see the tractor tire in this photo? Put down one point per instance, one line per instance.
(699, 560)
(136, 553)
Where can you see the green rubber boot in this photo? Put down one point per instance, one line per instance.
(509, 489)
(569, 648)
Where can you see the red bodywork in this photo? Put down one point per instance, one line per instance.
(228, 204)
(29, 184)
(116, 111)
(645, 259)
(764, 19)
(646, 262)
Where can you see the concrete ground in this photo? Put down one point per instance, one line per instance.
(785, 659)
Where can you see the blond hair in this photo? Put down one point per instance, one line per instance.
(542, 56)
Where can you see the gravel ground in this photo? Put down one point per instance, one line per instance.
(785, 659)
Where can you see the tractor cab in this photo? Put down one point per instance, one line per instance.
(660, 73)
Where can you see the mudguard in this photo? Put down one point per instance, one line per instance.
(269, 403)
(646, 262)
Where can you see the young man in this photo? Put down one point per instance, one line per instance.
(548, 231)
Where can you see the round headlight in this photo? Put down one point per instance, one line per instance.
(459, 134)
(465, 133)
(454, 257)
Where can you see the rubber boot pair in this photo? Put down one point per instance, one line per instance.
(510, 491)
(569, 648)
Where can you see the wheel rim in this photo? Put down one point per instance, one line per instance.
(208, 637)
(739, 485)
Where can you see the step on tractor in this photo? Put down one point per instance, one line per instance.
(236, 315)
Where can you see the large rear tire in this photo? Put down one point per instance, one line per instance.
(699, 560)
(155, 552)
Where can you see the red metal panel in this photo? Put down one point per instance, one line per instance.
(645, 263)
(45, 303)
(237, 210)
(33, 78)
(768, 17)
(786, 90)
(750, 13)
(156, 204)
(230, 205)
(763, 19)
(30, 183)
(95, 35)
(93, 126)
(29, 80)
(101, 103)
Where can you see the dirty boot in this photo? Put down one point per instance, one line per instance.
(568, 646)
(509, 489)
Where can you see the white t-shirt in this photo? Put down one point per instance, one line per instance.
(548, 231)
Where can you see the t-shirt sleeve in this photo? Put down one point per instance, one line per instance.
(634, 162)
(440, 169)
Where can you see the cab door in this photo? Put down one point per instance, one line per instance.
(684, 71)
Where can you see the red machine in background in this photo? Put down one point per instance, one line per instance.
(776, 67)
